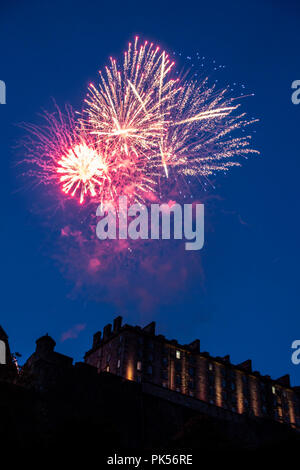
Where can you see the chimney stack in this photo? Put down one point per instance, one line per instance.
(97, 339)
(106, 332)
(117, 323)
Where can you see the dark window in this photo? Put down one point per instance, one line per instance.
(192, 371)
(192, 384)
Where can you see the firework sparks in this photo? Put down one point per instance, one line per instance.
(138, 124)
(129, 106)
(83, 169)
(61, 151)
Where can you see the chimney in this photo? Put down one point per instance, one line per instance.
(195, 345)
(246, 365)
(45, 345)
(96, 339)
(106, 332)
(284, 380)
(117, 323)
(227, 358)
(150, 328)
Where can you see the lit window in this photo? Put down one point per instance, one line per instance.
(139, 365)
(177, 354)
(107, 368)
(273, 390)
(118, 364)
(210, 366)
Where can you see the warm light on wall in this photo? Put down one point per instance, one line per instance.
(239, 393)
(254, 395)
(218, 384)
(130, 370)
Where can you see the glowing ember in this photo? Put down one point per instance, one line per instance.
(81, 169)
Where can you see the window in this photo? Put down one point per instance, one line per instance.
(165, 374)
(139, 365)
(177, 354)
(192, 371)
(139, 379)
(118, 364)
(165, 361)
(191, 384)
(107, 369)
(165, 384)
(150, 357)
(149, 370)
(192, 359)
(140, 353)
(178, 380)
(210, 366)
(273, 390)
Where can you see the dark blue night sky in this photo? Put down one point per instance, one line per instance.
(248, 302)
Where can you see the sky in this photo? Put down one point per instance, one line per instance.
(244, 300)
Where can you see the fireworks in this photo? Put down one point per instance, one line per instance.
(138, 126)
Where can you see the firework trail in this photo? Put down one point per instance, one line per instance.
(139, 126)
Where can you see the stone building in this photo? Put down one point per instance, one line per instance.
(138, 354)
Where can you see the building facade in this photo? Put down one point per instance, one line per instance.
(138, 354)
